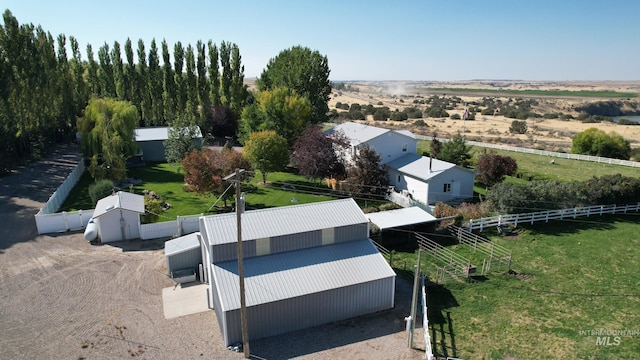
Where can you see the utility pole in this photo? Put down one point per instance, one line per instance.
(236, 179)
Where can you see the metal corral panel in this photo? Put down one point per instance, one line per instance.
(302, 312)
(298, 273)
(273, 222)
(183, 253)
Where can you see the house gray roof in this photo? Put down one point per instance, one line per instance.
(271, 222)
(181, 244)
(156, 133)
(420, 167)
(120, 200)
(362, 133)
(400, 217)
(297, 273)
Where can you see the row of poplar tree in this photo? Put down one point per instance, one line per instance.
(43, 90)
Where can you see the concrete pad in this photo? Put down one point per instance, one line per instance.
(184, 300)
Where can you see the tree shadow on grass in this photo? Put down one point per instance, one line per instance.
(573, 226)
(439, 300)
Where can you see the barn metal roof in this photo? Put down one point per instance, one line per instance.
(297, 273)
(120, 200)
(400, 217)
(155, 133)
(271, 222)
(420, 167)
(181, 244)
(361, 133)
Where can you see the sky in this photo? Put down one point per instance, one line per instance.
(421, 40)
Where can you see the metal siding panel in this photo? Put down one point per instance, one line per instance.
(286, 220)
(185, 260)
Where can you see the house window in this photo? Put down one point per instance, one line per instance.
(398, 178)
(404, 147)
(447, 188)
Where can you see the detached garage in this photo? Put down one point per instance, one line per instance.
(117, 216)
(151, 142)
(305, 265)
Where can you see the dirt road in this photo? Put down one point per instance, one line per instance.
(63, 298)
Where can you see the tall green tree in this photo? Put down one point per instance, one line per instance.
(227, 76)
(65, 89)
(143, 85)
(181, 86)
(214, 74)
(306, 72)
(107, 136)
(118, 71)
(131, 76)
(92, 73)
(80, 89)
(279, 109)
(191, 84)
(169, 85)
(238, 90)
(155, 86)
(203, 83)
(266, 151)
(456, 151)
(105, 72)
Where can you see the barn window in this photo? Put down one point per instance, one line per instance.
(404, 147)
(398, 178)
(447, 188)
(328, 236)
(263, 246)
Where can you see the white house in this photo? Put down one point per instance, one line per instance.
(389, 144)
(429, 180)
(117, 216)
(151, 142)
(422, 178)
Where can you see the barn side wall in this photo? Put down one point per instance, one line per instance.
(311, 310)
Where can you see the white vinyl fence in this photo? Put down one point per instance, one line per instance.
(48, 221)
(425, 323)
(64, 221)
(515, 219)
(182, 226)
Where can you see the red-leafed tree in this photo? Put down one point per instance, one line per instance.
(205, 169)
(492, 168)
(314, 154)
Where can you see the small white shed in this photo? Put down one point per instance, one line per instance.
(117, 216)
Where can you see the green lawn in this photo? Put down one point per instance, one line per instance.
(580, 273)
(167, 181)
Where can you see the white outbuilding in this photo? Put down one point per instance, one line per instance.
(117, 216)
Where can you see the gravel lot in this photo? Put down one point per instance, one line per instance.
(64, 298)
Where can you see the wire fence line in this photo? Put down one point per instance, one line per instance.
(598, 159)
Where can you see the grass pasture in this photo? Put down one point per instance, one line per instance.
(541, 168)
(579, 275)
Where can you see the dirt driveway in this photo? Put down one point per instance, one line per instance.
(63, 298)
